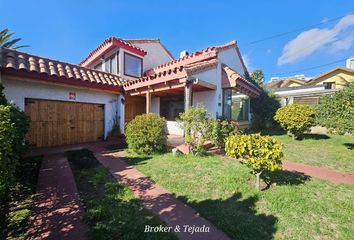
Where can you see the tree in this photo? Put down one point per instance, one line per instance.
(296, 119)
(260, 153)
(337, 112)
(265, 105)
(258, 77)
(6, 40)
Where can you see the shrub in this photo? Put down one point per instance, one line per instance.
(295, 119)
(146, 133)
(222, 128)
(260, 153)
(337, 112)
(197, 124)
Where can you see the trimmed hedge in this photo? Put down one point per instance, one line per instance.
(296, 119)
(146, 133)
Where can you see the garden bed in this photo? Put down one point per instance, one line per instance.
(111, 210)
(19, 205)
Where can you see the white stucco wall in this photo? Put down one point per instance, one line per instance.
(17, 90)
(230, 58)
(155, 56)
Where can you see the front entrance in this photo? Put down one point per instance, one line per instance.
(55, 123)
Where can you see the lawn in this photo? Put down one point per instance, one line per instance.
(222, 191)
(331, 151)
(112, 211)
(19, 202)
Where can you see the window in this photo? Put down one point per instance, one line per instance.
(133, 66)
(171, 107)
(235, 107)
(98, 67)
(329, 85)
(111, 65)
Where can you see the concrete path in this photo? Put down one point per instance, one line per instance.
(320, 172)
(157, 199)
(57, 212)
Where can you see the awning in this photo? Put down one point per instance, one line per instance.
(232, 79)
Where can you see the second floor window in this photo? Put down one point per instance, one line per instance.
(133, 66)
(111, 65)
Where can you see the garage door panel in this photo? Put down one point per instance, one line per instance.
(56, 123)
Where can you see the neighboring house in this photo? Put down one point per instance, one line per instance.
(118, 80)
(309, 92)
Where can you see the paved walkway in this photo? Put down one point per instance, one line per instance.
(57, 212)
(319, 172)
(157, 199)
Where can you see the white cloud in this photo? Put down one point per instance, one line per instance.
(310, 41)
(343, 44)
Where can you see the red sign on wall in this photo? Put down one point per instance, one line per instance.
(72, 95)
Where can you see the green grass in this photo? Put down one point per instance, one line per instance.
(331, 151)
(112, 211)
(222, 191)
(19, 205)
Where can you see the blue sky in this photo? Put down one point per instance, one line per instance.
(69, 30)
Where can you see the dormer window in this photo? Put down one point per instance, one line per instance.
(133, 66)
(110, 65)
(98, 67)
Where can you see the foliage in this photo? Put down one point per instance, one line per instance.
(13, 127)
(7, 42)
(265, 105)
(264, 108)
(295, 119)
(337, 112)
(260, 153)
(146, 133)
(222, 128)
(197, 124)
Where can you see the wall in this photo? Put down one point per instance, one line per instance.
(209, 99)
(155, 105)
(339, 77)
(17, 90)
(155, 56)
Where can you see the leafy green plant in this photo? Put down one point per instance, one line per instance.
(296, 119)
(197, 124)
(265, 105)
(337, 112)
(146, 133)
(7, 41)
(222, 128)
(260, 153)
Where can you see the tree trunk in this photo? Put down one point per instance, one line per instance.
(258, 179)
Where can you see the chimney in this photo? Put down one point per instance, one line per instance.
(350, 63)
(183, 54)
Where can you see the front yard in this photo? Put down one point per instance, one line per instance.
(331, 151)
(222, 191)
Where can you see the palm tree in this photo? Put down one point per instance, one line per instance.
(7, 42)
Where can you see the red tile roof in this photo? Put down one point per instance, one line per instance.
(26, 63)
(108, 45)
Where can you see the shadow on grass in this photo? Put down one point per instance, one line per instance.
(138, 160)
(284, 177)
(274, 132)
(350, 146)
(236, 216)
(315, 136)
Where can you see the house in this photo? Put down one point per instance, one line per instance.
(118, 80)
(309, 92)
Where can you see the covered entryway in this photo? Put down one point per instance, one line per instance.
(55, 123)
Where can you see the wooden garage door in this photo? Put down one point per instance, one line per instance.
(307, 100)
(56, 123)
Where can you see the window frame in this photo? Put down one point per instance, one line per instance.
(99, 64)
(110, 59)
(141, 65)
